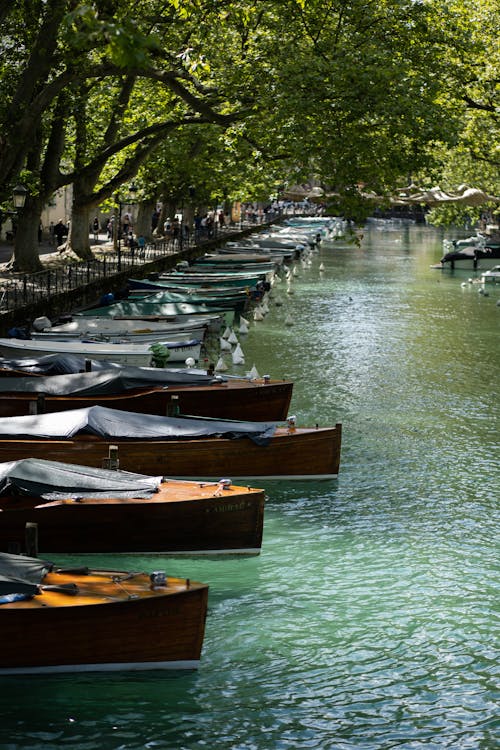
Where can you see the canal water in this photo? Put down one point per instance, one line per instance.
(369, 619)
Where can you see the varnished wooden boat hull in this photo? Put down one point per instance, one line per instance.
(181, 517)
(244, 400)
(303, 453)
(106, 626)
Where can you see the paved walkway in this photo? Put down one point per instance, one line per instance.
(48, 253)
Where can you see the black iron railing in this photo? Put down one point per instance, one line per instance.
(18, 290)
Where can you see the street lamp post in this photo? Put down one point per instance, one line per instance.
(19, 195)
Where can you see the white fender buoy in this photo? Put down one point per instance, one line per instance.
(289, 320)
(321, 267)
(278, 301)
(226, 333)
(289, 289)
(221, 365)
(243, 328)
(257, 315)
(190, 362)
(244, 320)
(253, 374)
(238, 356)
(232, 338)
(225, 346)
(295, 272)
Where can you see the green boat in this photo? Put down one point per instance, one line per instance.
(143, 310)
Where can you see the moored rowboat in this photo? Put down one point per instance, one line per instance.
(57, 620)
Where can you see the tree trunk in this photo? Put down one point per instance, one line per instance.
(79, 231)
(143, 222)
(26, 252)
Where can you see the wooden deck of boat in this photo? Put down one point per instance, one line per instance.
(170, 491)
(102, 587)
(114, 621)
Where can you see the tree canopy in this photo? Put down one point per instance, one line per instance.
(237, 97)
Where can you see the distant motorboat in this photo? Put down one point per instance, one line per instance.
(493, 275)
(471, 253)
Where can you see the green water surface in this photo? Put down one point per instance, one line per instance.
(370, 619)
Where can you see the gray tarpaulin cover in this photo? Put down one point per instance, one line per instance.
(52, 480)
(115, 424)
(62, 364)
(104, 382)
(20, 574)
(141, 308)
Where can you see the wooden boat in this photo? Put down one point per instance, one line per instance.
(78, 509)
(147, 391)
(126, 353)
(177, 447)
(80, 620)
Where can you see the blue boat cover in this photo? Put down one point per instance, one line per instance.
(116, 424)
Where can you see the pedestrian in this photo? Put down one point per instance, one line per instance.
(95, 228)
(141, 244)
(132, 244)
(209, 224)
(197, 226)
(40, 232)
(60, 232)
(126, 224)
(175, 229)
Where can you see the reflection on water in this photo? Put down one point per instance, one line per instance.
(368, 620)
